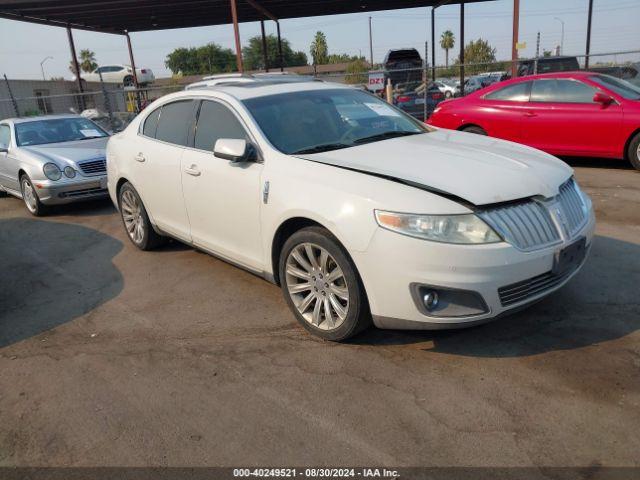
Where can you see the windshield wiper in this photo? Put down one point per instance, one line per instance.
(322, 148)
(384, 136)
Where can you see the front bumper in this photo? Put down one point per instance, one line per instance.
(393, 263)
(71, 190)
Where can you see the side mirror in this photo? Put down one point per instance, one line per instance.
(603, 99)
(234, 150)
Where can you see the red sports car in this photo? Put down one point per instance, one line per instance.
(569, 113)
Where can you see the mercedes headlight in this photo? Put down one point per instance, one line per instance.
(52, 171)
(460, 229)
(69, 172)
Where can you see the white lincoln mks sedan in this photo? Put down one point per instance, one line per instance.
(359, 212)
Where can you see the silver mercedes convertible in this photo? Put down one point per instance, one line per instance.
(52, 160)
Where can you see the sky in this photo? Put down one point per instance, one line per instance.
(615, 28)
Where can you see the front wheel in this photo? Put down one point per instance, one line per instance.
(135, 219)
(633, 153)
(30, 197)
(448, 94)
(475, 129)
(321, 285)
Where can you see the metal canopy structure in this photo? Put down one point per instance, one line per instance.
(120, 16)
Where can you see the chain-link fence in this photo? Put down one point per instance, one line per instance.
(416, 90)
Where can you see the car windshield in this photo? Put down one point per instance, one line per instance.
(320, 120)
(56, 130)
(621, 87)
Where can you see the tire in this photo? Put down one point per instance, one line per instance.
(633, 151)
(30, 198)
(127, 81)
(448, 94)
(135, 219)
(310, 290)
(474, 129)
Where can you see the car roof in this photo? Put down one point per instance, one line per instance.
(16, 120)
(245, 90)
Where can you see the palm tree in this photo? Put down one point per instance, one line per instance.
(86, 62)
(447, 42)
(319, 49)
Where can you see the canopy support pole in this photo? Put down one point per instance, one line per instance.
(236, 31)
(265, 55)
(433, 44)
(76, 67)
(462, 48)
(280, 58)
(588, 51)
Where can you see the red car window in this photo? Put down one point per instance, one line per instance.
(561, 91)
(518, 92)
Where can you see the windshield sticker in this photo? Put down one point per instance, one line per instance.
(91, 133)
(382, 109)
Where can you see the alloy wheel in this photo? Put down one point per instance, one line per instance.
(29, 195)
(638, 152)
(317, 286)
(132, 215)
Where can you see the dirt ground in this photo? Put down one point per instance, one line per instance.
(114, 357)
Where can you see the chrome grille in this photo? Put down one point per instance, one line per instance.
(574, 211)
(93, 167)
(527, 225)
(532, 224)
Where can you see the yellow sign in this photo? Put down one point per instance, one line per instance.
(521, 46)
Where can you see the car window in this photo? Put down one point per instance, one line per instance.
(151, 123)
(56, 130)
(216, 121)
(621, 87)
(561, 91)
(174, 122)
(5, 135)
(518, 92)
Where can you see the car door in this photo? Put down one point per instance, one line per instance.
(563, 119)
(500, 112)
(156, 167)
(8, 160)
(223, 198)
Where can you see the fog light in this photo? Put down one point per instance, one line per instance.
(430, 300)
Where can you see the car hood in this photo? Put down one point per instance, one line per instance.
(475, 168)
(68, 153)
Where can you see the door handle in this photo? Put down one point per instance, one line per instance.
(193, 171)
(139, 157)
(530, 114)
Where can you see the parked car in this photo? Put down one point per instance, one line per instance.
(446, 89)
(547, 65)
(413, 100)
(572, 114)
(51, 160)
(121, 74)
(403, 66)
(354, 208)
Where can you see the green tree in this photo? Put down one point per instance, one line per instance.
(447, 42)
(210, 58)
(254, 58)
(481, 52)
(546, 53)
(319, 49)
(86, 62)
(342, 58)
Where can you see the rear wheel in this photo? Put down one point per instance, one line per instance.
(633, 152)
(30, 197)
(474, 129)
(128, 81)
(135, 219)
(321, 285)
(448, 94)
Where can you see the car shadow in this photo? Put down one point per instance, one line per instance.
(93, 208)
(599, 304)
(52, 273)
(590, 162)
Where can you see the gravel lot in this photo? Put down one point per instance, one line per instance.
(112, 356)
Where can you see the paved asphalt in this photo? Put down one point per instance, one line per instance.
(114, 357)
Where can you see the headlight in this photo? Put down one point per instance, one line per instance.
(462, 229)
(52, 171)
(69, 172)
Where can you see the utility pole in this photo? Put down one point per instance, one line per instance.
(535, 63)
(42, 66)
(370, 45)
(561, 37)
(588, 51)
(514, 46)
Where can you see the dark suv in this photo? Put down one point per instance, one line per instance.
(403, 66)
(548, 65)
